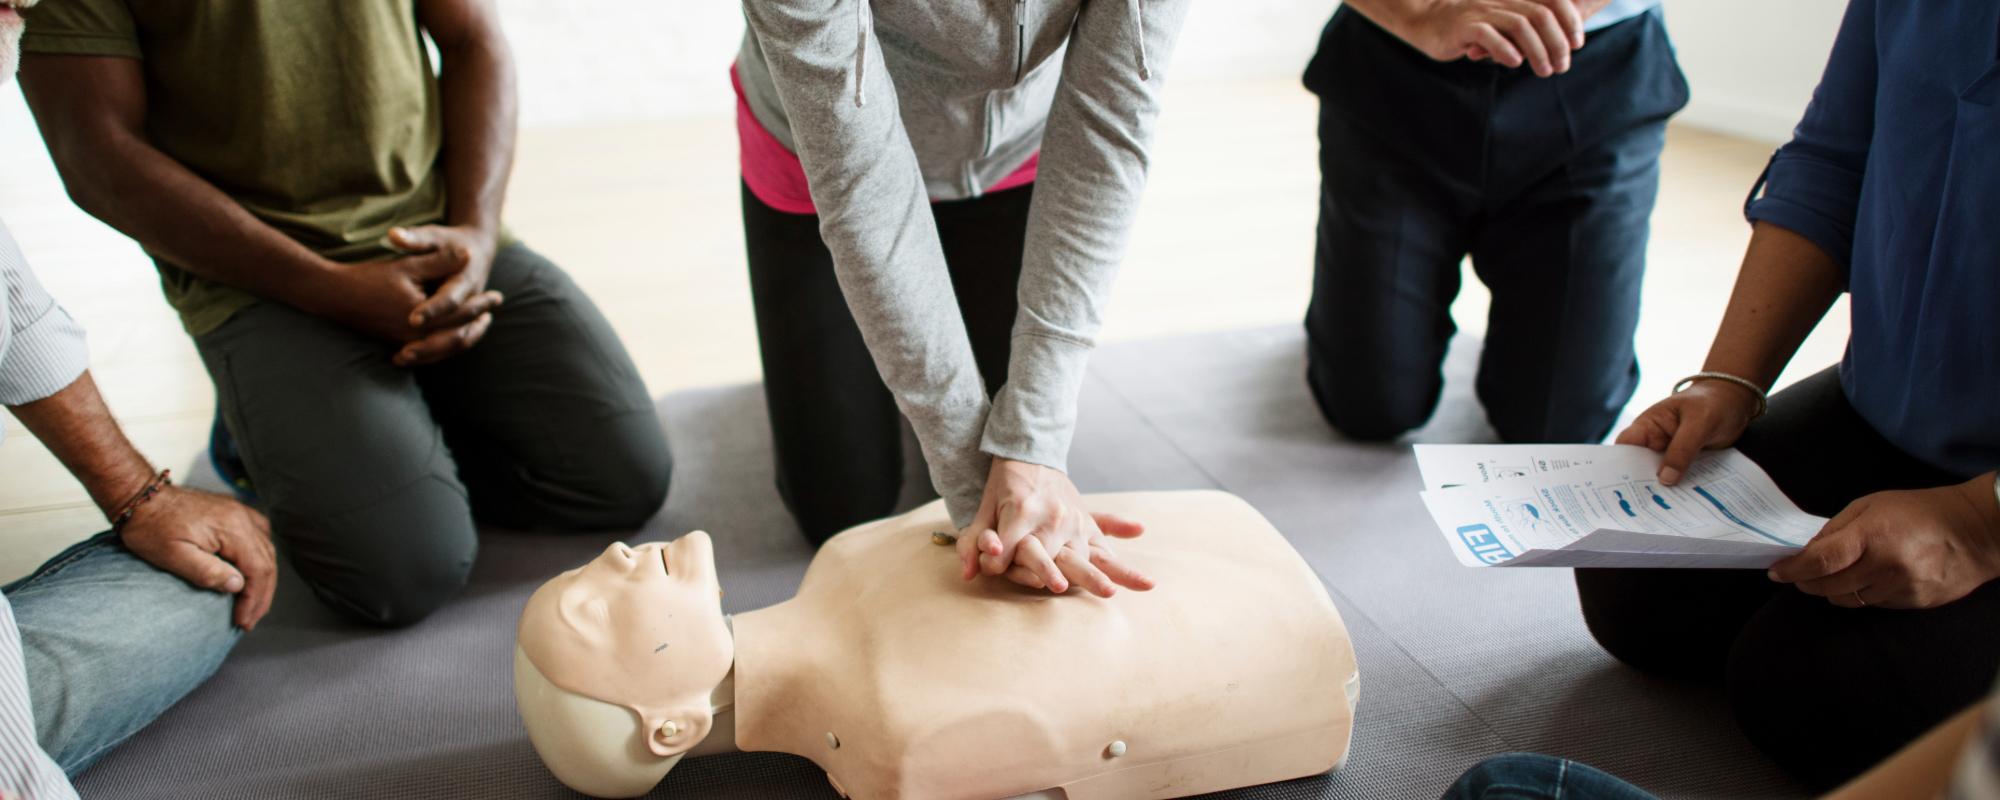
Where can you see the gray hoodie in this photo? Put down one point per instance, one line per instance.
(891, 106)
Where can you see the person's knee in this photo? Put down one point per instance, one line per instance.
(393, 562)
(1512, 775)
(1813, 687)
(1369, 404)
(824, 508)
(1616, 618)
(636, 485)
(82, 630)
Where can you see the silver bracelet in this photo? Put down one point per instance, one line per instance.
(1763, 400)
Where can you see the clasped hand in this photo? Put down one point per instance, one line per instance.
(1032, 529)
(432, 298)
(1539, 33)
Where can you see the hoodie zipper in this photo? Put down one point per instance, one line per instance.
(1020, 38)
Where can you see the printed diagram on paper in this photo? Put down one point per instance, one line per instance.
(1601, 505)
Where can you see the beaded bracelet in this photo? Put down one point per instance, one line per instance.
(153, 487)
(1763, 400)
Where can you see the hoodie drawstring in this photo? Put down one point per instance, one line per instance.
(1139, 22)
(861, 52)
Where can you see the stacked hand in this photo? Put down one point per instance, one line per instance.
(393, 298)
(1540, 33)
(1899, 549)
(1032, 529)
(210, 541)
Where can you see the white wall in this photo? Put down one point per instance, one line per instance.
(1752, 64)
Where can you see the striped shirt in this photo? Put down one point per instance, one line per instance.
(1978, 775)
(25, 771)
(41, 347)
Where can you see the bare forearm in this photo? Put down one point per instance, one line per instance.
(1785, 287)
(91, 113)
(76, 426)
(480, 109)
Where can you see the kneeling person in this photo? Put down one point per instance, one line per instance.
(324, 210)
(902, 681)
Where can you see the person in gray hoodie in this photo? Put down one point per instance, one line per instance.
(964, 175)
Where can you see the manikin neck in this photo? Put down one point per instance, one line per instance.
(722, 733)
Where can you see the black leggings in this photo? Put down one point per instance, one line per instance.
(1825, 691)
(834, 425)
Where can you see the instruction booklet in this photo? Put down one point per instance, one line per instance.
(1603, 506)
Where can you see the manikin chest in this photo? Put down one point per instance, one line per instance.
(902, 682)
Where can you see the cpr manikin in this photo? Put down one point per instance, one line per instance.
(902, 681)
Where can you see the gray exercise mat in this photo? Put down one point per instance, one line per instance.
(1456, 664)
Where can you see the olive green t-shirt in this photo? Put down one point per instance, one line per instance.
(320, 117)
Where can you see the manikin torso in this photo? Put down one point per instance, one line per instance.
(902, 681)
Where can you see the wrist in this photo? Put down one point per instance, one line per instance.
(317, 288)
(118, 485)
(1752, 395)
(1982, 494)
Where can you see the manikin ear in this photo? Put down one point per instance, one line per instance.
(679, 732)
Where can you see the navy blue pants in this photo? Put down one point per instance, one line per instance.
(1527, 776)
(1548, 183)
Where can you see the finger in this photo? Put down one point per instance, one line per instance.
(1556, 40)
(1114, 525)
(1477, 53)
(1016, 523)
(199, 567)
(443, 344)
(420, 239)
(1571, 18)
(968, 559)
(249, 548)
(1522, 32)
(461, 314)
(1025, 577)
(1847, 581)
(1503, 51)
(1825, 555)
(445, 302)
(1036, 558)
(1077, 568)
(1118, 571)
(1642, 432)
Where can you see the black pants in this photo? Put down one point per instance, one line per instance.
(373, 474)
(834, 425)
(1825, 691)
(1547, 182)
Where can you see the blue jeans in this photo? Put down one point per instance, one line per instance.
(109, 642)
(1526, 776)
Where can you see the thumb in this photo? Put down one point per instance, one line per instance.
(414, 240)
(1835, 548)
(1684, 443)
(1114, 525)
(199, 568)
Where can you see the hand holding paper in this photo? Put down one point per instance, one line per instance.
(1603, 506)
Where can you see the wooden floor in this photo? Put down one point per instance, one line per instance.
(645, 216)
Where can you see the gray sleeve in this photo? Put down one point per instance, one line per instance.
(1087, 188)
(41, 347)
(875, 218)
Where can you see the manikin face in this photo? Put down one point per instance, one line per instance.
(10, 35)
(640, 628)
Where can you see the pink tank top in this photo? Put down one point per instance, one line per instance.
(776, 177)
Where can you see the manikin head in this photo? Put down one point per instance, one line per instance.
(10, 36)
(617, 662)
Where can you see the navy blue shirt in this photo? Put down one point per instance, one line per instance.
(1895, 172)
